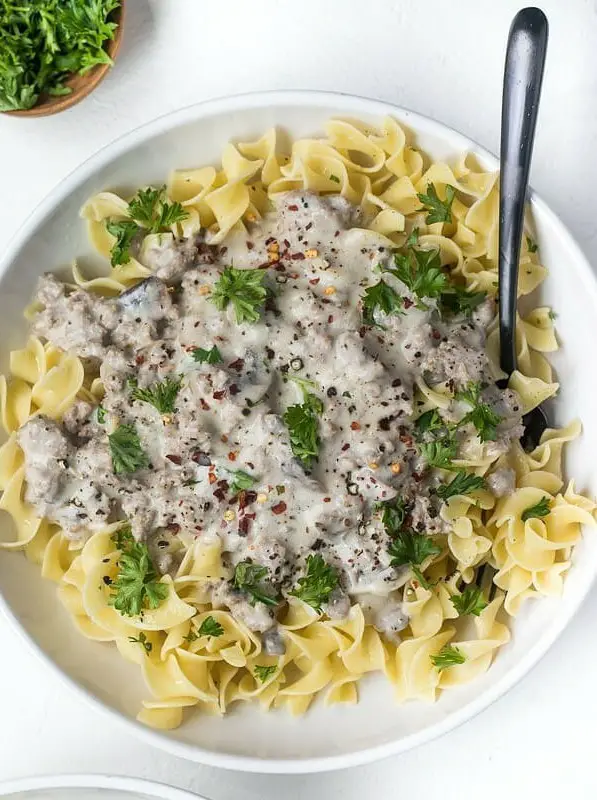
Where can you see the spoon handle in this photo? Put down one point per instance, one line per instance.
(523, 75)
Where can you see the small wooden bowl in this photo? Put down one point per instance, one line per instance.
(81, 85)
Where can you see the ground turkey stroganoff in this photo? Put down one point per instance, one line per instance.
(262, 391)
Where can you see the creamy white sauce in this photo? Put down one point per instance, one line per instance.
(318, 262)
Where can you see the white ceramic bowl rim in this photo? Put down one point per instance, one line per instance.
(91, 781)
(355, 106)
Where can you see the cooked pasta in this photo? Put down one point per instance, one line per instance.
(204, 626)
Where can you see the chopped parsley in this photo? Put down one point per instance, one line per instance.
(448, 656)
(101, 414)
(335, 178)
(125, 231)
(161, 395)
(212, 356)
(458, 300)
(318, 582)
(540, 509)
(421, 272)
(250, 578)
(241, 480)
(44, 42)
(413, 238)
(264, 672)
(190, 637)
(142, 640)
(393, 515)
(137, 585)
(303, 428)
(380, 296)
(244, 289)
(441, 452)
(532, 247)
(210, 627)
(429, 421)
(461, 484)
(438, 210)
(408, 547)
(482, 416)
(470, 601)
(123, 537)
(126, 451)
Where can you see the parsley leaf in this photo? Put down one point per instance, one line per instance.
(412, 548)
(381, 296)
(470, 601)
(421, 272)
(264, 672)
(150, 209)
(458, 300)
(43, 42)
(319, 581)
(244, 289)
(137, 585)
(429, 421)
(441, 452)
(439, 210)
(142, 640)
(212, 356)
(101, 414)
(540, 509)
(125, 448)
(482, 416)
(393, 515)
(241, 480)
(125, 231)
(413, 238)
(162, 394)
(190, 637)
(303, 428)
(123, 537)
(210, 627)
(448, 656)
(532, 247)
(461, 484)
(250, 578)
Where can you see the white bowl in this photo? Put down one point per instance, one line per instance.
(90, 787)
(325, 738)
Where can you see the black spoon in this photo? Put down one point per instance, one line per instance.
(523, 75)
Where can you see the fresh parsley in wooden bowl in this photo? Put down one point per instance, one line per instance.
(53, 53)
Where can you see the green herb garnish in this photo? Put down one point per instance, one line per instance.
(482, 416)
(151, 210)
(137, 585)
(43, 42)
(421, 271)
(318, 582)
(461, 484)
(212, 356)
(413, 238)
(532, 247)
(264, 672)
(408, 547)
(142, 640)
(241, 480)
(439, 210)
(458, 300)
(393, 515)
(335, 178)
(448, 656)
(540, 509)
(429, 421)
(162, 394)
(470, 601)
(250, 578)
(244, 289)
(210, 627)
(125, 231)
(126, 451)
(441, 452)
(303, 428)
(380, 296)
(101, 413)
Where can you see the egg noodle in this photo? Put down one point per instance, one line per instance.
(379, 171)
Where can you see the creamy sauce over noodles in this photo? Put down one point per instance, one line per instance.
(318, 258)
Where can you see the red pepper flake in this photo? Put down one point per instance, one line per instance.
(345, 447)
(279, 508)
(243, 526)
(139, 360)
(220, 494)
(237, 365)
(356, 426)
(297, 256)
(336, 234)
(250, 465)
(233, 389)
(205, 406)
(436, 335)
(201, 458)
(293, 275)
(292, 208)
(286, 243)
(224, 438)
(173, 528)
(174, 459)
(417, 477)
(330, 319)
(212, 477)
(246, 497)
(327, 499)
(232, 456)
(314, 281)
(218, 395)
(223, 484)
(271, 240)
(250, 245)
(407, 302)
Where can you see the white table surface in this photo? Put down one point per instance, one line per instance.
(443, 59)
